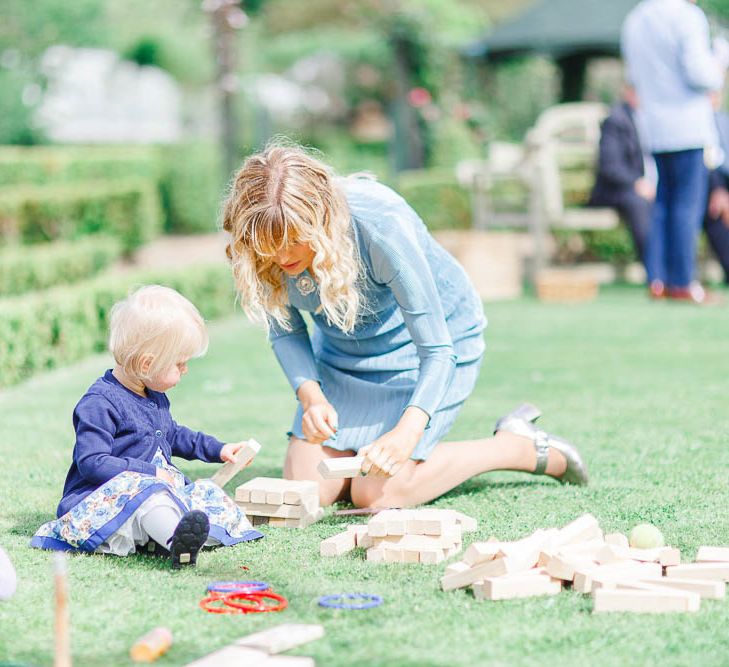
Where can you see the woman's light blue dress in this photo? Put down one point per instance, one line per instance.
(419, 340)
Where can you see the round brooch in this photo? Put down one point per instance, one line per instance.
(305, 285)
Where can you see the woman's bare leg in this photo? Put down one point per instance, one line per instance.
(302, 459)
(450, 464)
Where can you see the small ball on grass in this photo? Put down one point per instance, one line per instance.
(646, 536)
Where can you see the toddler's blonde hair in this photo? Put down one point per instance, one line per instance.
(159, 323)
(280, 197)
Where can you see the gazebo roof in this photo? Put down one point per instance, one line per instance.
(557, 28)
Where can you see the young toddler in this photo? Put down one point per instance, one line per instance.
(122, 490)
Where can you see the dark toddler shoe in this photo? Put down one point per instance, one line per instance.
(188, 538)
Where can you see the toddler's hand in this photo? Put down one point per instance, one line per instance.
(230, 451)
(165, 476)
(319, 422)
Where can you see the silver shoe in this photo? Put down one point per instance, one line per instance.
(521, 422)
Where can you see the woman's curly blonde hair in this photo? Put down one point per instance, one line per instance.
(280, 197)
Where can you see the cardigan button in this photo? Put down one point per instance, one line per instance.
(158, 433)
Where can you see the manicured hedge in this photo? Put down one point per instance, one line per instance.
(128, 210)
(48, 329)
(52, 165)
(26, 268)
(437, 197)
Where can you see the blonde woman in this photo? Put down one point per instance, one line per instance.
(397, 337)
(122, 490)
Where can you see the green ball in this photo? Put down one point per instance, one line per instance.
(646, 536)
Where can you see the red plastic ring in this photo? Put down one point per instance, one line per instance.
(257, 598)
(226, 609)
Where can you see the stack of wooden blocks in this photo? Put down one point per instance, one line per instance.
(404, 536)
(620, 578)
(280, 502)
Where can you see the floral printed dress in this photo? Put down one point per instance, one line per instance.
(108, 519)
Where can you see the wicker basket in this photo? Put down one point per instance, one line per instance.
(565, 286)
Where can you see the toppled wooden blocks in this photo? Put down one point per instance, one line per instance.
(620, 578)
(340, 467)
(425, 536)
(280, 502)
(231, 469)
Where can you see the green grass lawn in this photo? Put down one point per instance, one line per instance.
(642, 387)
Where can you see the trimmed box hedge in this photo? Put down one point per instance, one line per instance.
(128, 210)
(53, 165)
(48, 329)
(33, 267)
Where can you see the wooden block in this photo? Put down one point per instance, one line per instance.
(515, 586)
(581, 529)
(710, 589)
(467, 523)
(397, 522)
(280, 511)
(700, 571)
(458, 566)
(258, 484)
(340, 467)
(605, 576)
(232, 656)
(307, 519)
(289, 661)
(644, 601)
(617, 540)
(376, 555)
(588, 549)
(611, 553)
(669, 556)
(297, 491)
(229, 470)
(410, 556)
(452, 551)
(277, 522)
(361, 536)
(432, 556)
(415, 524)
(393, 554)
(480, 552)
(336, 545)
(282, 637)
(564, 567)
(492, 568)
(377, 525)
(713, 555)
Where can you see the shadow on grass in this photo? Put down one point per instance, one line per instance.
(26, 523)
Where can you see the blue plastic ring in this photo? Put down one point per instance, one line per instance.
(338, 601)
(238, 586)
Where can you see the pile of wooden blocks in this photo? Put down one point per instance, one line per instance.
(262, 649)
(280, 502)
(404, 536)
(620, 578)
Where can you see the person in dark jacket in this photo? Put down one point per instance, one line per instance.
(716, 221)
(621, 182)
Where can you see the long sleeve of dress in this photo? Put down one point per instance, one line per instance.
(194, 445)
(399, 262)
(96, 422)
(293, 350)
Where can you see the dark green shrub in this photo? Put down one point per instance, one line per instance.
(48, 329)
(32, 267)
(191, 186)
(53, 165)
(127, 210)
(437, 197)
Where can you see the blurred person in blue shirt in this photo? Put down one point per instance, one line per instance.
(670, 63)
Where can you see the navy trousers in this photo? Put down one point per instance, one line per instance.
(678, 213)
